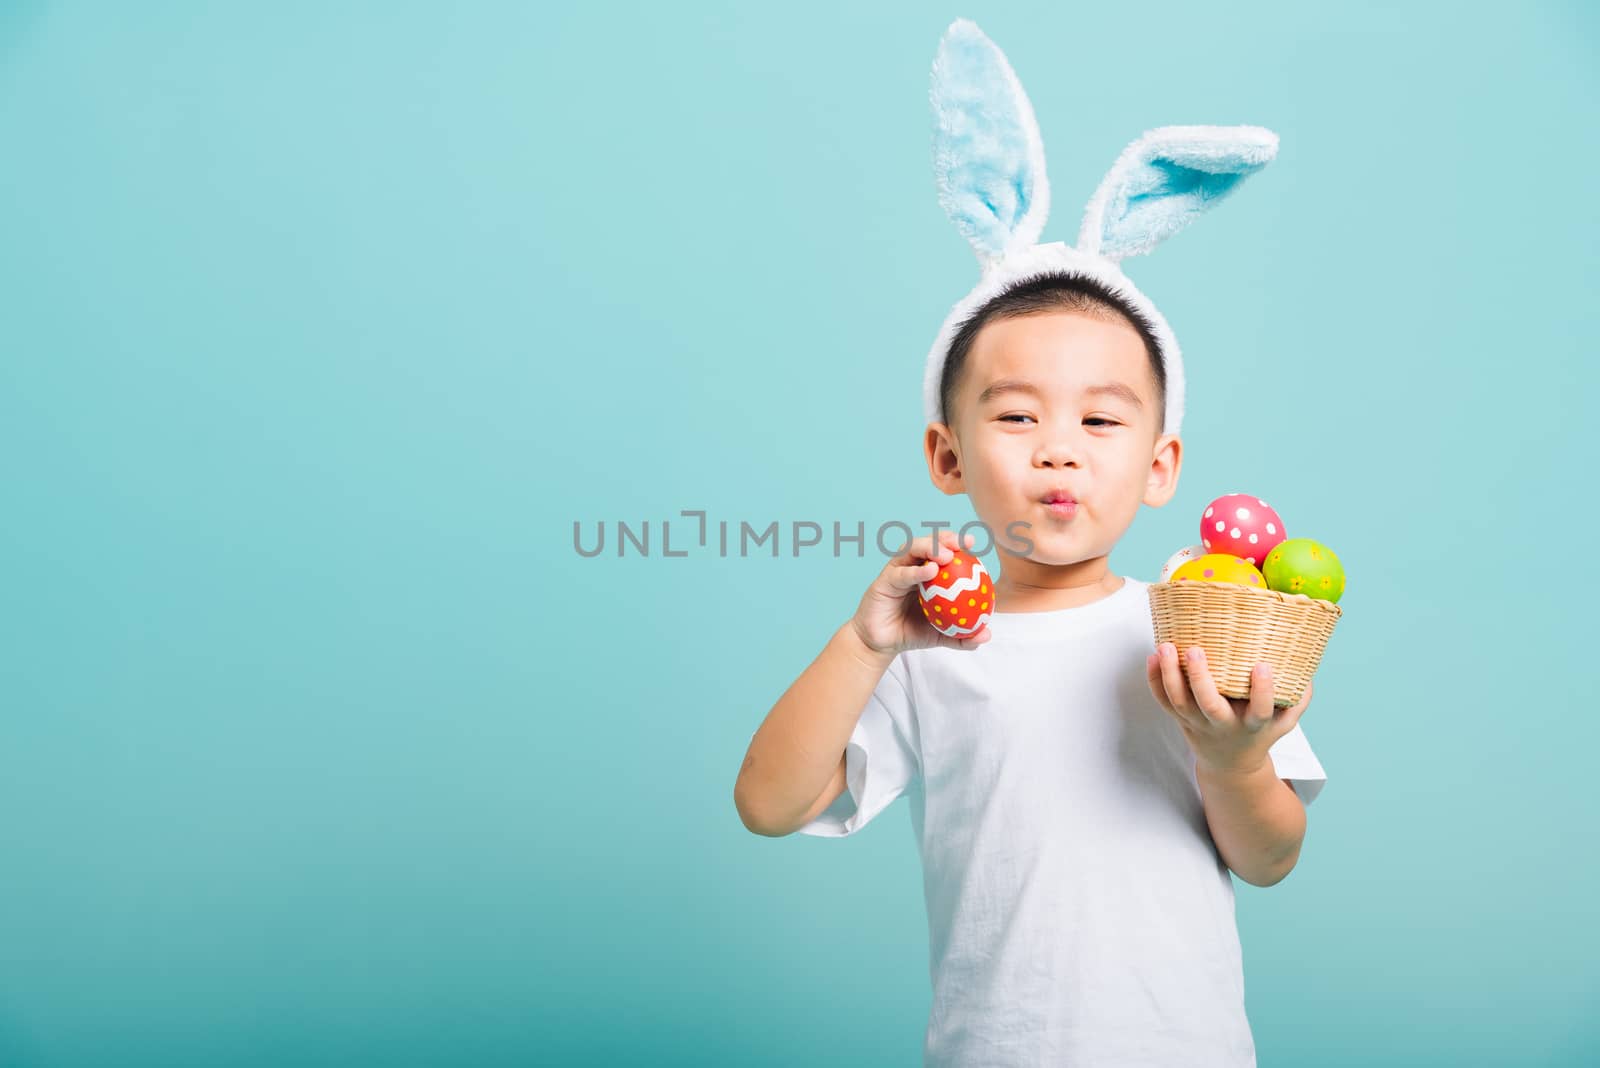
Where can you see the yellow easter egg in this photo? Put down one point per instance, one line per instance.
(1220, 567)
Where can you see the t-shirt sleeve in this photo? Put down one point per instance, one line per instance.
(881, 759)
(1293, 759)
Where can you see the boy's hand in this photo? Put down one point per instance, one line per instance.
(890, 618)
(1227, 734)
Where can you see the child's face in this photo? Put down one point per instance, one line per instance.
(1029, 421)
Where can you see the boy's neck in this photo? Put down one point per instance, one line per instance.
(1025, 586)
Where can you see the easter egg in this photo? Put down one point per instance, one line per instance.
(1300, 565)
(1182, 556)
(960, 598)
(1220, 567)
(1243, 525)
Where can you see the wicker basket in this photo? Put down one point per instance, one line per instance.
(1241, 626)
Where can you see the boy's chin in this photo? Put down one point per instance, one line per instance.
(1066, 560)
(1051, 554)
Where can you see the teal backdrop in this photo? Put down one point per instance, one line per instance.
(323, 325)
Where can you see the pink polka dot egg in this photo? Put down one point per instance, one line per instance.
(1242, 525)
(1220, 567)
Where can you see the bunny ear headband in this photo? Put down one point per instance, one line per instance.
(988, 160)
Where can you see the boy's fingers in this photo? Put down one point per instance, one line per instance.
(972, 641)
(1213, 706)
(1152, 670)
(1177, 689)
(917, 553)
(1259, 712)
(906, 576)
(1291, 715)
(913, 551)
(923, 559)
(922, 549)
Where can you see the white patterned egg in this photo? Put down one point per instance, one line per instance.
(1181, 557)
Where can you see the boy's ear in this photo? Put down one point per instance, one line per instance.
(1162, 481)
(944, 458)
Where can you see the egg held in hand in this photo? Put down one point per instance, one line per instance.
(959, 600)
(1220, 567)
(1241, 524)
(1301, 565)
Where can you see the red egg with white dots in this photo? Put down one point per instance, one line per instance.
(959, 600)
(1242, 525)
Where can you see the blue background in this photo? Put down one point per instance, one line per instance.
(320, 744)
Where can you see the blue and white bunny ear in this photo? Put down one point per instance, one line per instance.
(1164, 179)
(988, 158)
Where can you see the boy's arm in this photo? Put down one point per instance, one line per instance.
(794, 767)
(1256, 820)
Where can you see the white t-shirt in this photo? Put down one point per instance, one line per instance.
(1078, 910)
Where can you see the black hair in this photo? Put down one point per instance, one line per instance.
(1054, 291)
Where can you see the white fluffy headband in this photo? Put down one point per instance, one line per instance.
(988, 160)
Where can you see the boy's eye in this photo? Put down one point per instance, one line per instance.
(1091, 419)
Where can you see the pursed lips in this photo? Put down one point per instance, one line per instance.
(1060, 504)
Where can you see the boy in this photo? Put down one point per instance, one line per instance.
(1065, 802)
(1077, 813)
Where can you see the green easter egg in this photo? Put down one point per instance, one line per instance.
(1300, 565)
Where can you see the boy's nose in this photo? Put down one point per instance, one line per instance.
(1056, 455)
